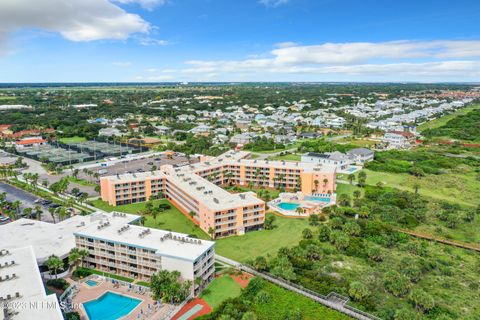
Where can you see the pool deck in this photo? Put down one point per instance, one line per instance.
(88, 293)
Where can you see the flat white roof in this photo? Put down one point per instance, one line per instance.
(33, 302)
(49, 238)
(173, 245)
(209, 194)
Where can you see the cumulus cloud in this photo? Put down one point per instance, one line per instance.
(146, 4)
(396, 58)
(84, 20)
(149, 41)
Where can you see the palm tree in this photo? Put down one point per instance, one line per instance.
(38, 212)
(351, 178)
(325, 181)
(211, 232)
(52, 213)
(16, 206)
(62, 213)
(77, 256)
(316, 182)
(54, 264)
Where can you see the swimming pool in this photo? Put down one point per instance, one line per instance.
(319, 199)
(110, 306)
(288, 206)
(91, 283)
(351, 169)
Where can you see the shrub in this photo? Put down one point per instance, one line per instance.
(60, 284)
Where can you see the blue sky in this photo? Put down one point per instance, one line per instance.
(233, 40)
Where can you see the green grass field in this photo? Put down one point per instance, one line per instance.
(288, 232)
(221, 289)
(459, 188)
(72, 140)
(172, 219)
(81, 182)
(361, 143)
(443, 120)
(287, 157)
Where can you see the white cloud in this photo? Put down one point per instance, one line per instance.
(396, 59)
(146, 4)
(149, 41)
(75, 20)
(286, 44)
(360, 52)
(122, 63)
(272, 3)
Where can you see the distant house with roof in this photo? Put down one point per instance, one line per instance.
(110, 132)
(361, 155)
(30, 142)
(399, 139)
(338, 159)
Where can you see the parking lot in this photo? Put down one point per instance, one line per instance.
(141, 165)
(119, 166)
(27, 199)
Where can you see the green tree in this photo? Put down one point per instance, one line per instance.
(313, 220)
(260, 263)
(307, 233)
(54, 264)
(269, 222)
(283, 268)
(358, 291)
(351, 178)
(324, 233)
(396, 284)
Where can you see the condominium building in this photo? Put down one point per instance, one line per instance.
(195, 189)
(22, 294)
(139, 252)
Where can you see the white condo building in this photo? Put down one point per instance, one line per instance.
(22, 294)
(138, 252)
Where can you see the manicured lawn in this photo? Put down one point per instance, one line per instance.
(221, 289)
(172, 219)
(361, 143)
(81, 182)
(72, 140)
(286, 157)
(343, 188)
(282, 301)
(288, 232)
(106, 274)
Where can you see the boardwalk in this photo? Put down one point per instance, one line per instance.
(333, 300)
(426, 236)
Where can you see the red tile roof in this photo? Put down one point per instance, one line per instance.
(30, 141)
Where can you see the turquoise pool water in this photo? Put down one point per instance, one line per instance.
(288, 206)
(91, 283)
(110, 306)
(351, 169)
(320, 199)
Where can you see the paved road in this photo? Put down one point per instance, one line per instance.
(27, 199)
(333, 300)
